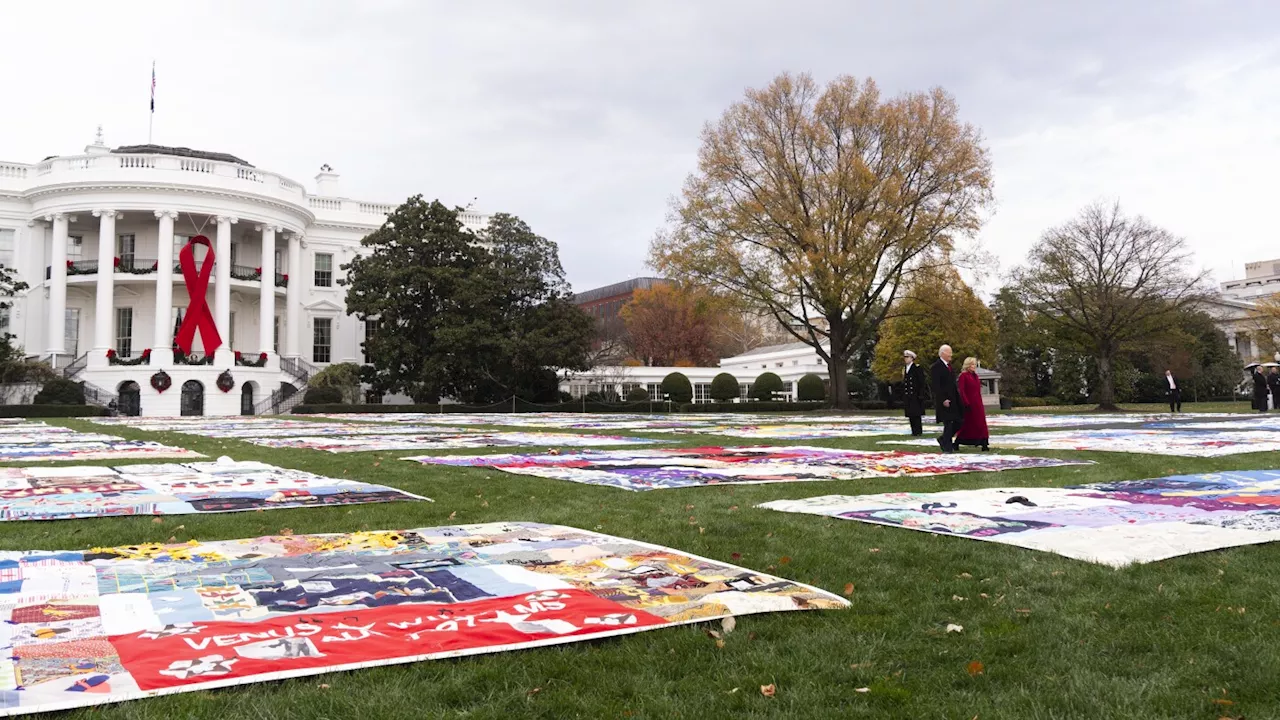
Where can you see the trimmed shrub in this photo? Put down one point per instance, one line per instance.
(724, 387)
(810, 387)
(637, 394)
(678, 388)
(60, 392)
(766, 387)
(323, 396)
(345, 377)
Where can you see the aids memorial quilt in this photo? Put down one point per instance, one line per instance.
(1190, 443)
(60, 493)
(1114, 524)
(609, 421)
(1037, 420)
(366, 443)
(116, 449)
(691, 467)
(113, 624)
(789, 431)
(1260, 423)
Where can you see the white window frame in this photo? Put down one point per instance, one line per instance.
(124, 341)
(8, 240)
(315, 275)
(315, 326)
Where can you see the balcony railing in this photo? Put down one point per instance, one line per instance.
(163, 168)
(147, 266)
(244, 272)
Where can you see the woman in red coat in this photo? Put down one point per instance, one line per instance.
(973, 429)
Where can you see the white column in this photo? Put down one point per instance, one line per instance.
(105, 305)
(267, 298)
(222, 279)
(293, 299)
(162, 345)
(58, 286)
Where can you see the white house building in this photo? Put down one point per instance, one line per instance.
(790, 362)
(98, 238)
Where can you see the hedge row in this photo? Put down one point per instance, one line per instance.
(51, 411)
(656, 406)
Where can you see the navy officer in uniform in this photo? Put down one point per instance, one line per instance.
(913, 392)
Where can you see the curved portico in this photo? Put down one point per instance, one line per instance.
(97, 238)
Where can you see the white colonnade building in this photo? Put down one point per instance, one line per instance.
(97, 239)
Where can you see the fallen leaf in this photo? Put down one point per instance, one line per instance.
(702, 531)
(735, 556)
(1222, 701)
(848, 588)
(862, 690)
(874, 550)
(688, 507)
(769, 690)
(484, 504)
(453, 514)
(180, 527)
(751, 635)
(957, 598)
(732, 691)
(323, 686)
(729, 624)
(534, 691)
(732, 508)
(158, 521)
(173, 539)
(953, 628)
(713, 634)
(964, 575)
(783, 560)
(984, 596)
(975, 668)
(693, 520)
(286, 531)
(377, 464)
(720, 644)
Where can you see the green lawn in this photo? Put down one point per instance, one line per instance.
(1192, 637)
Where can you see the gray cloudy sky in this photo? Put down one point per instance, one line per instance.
(583, 117)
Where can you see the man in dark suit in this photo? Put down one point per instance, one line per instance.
(912, 392)
(1175, 392)
(946, 398)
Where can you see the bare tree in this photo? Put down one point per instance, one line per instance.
(1107, 282)
(814, 203)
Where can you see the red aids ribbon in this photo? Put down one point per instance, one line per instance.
(198, 316)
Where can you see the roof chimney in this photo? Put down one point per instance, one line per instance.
(327, 182)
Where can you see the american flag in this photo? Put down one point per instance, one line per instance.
(153, 86)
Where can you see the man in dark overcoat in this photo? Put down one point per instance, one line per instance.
(946, 398)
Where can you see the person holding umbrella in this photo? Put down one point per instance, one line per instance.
(1273, 382)
(1259, 387)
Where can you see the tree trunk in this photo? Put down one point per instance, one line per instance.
(838, 366)
(1106, 383)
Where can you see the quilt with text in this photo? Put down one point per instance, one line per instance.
(111, 624)
(690, 467)
(1114, 524)
(61, 492)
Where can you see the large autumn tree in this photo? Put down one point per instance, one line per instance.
(816, 203)
(938, 308)
(1106, 282)
(670, 325)
(474, 317)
